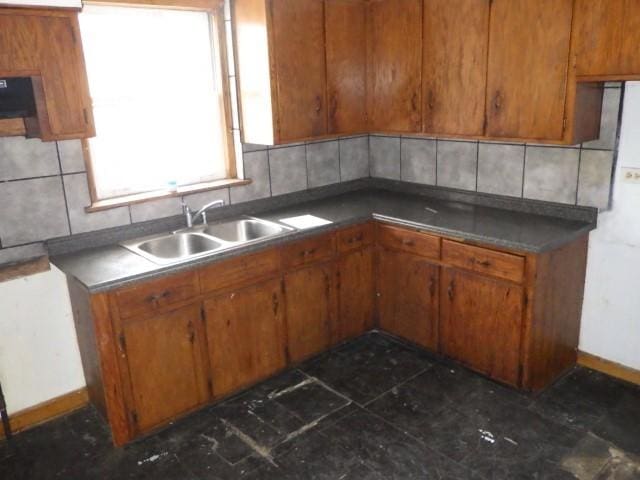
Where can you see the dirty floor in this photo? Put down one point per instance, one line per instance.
(371, 409)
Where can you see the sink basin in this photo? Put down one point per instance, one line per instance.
(175, 247)
(244, 230)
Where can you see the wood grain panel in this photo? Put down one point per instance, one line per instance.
(240, 269)
(629, 55)
(346, 51)
(480, 323)
(356, 293)
(408, 297)
(454, 62)
(298, 48)
(310, 250)
(529, 41)
(245, 331)
(353, 238)
(395, 66)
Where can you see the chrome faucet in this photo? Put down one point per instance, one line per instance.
(192, 217)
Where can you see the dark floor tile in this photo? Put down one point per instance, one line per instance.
(389, 452)
(621, 424)
(311, 401)
(210, 466)
(588, 458)
(580, 399)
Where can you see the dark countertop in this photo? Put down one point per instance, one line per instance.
(108, 267)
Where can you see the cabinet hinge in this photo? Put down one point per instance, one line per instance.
(210, 385)
(526, 299)
(520, 374)
(134, 416)
(202, 314)
(564, 124)
(123, 342)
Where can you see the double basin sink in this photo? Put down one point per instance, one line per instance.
(203, 240)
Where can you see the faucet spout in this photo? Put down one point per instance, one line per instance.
(192, 217)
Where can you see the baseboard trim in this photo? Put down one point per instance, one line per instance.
(612, 369)
(43, 412)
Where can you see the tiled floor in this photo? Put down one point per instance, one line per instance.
(371, 409)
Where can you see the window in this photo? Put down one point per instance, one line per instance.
(159, 102)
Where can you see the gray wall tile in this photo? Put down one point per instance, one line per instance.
(457, 162)
(500, 169)
(77, 192)
(32, 210)
(288, 167)
(22, 253)
(20, 158)
(354, 158)
(71, 156)
(323, 163)
(252, 147)
(256, 168)
(608, 122)
(594, 183)
(418, 160)
(384, 156)
(165, 207)
(551, 174)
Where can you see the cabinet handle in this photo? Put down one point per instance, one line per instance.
(431, 102)
(484, 263)
(318, 104)
(408, 242)
(334, 105)
(274, 300)
(306, 253)
(192, 332)
(497, 101)
(414, 102)
(450, 290)
(357, 238)
(432, 287)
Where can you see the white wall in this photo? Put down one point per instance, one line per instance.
(611, 311)
(39, 357)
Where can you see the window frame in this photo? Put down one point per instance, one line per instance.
(215, 11)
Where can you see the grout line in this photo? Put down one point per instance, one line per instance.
(339, 161)
(477, 164)
(524, 169)
(64, 190)
(306, 165)
(400, 159)
(269, 173)
(437, 161)
(578, 176)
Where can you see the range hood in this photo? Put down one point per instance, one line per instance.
(16, 98)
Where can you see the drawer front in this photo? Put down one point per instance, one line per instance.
(151, 296)
(483, 260)
(240, 270)
(355, 237)
(307, 251)
(409, 241)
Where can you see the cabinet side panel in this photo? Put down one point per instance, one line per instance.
(253, 68)
(552, 334)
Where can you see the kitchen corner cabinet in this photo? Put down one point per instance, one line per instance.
(394, 88)
(45, 45)
(454, 66)
(157, 349)
(607, 35)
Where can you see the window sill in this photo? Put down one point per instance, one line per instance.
(100, 205)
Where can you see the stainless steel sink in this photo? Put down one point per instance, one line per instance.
(204, 240)
(244, 230)
(174, 247)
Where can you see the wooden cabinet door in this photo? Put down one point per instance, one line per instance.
(395, 65)
(408, 297)
(481, 323)
(454, 75)
(598, 36)
(355, 294)
(165, 361)
(300, 76)
(311, 309)
(245, 334)
(346, 50)
(629, 52)
(527, 72)
(18, 40)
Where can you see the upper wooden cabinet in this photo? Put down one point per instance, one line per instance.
(345, 30)
(395, 63)
(45, 45)
(529, 44)
(607, 35)
(454, 66)
(281, 69)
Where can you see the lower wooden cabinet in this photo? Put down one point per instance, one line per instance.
(163, 364)
(408, 297)
(311, 309)
(356, 287)
(481, 323)
(245, 334)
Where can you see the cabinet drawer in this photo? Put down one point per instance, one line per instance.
(240, 270)
(409, 241)
(355, 237)
(482, 260)
(308, 251)
(151, 296)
